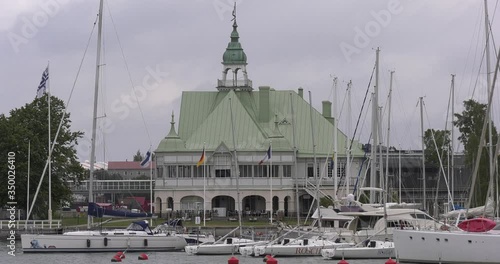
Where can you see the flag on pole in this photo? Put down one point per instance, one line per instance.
(146, 160)
(202, 158)
(267, 156)
(42, 87)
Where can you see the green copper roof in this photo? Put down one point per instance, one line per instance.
(172, 142)
(234, 53)
(205, 118)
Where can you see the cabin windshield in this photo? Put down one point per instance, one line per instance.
(421, 216)
(367, 222)
(135, 227)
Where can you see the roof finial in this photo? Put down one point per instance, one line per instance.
(172, 133)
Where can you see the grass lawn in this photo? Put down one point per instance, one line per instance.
(81, 222)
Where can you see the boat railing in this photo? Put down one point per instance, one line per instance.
(31, 224)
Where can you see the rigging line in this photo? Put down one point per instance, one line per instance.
(470, 48)
(342, 106)
(362, 106)
(129, 75)
(62, 118)
(361, 112)
(439, 156)
(474, 61)
(479, 72)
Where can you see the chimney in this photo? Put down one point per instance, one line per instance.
(264, 104)
(301, 92)
(327, 109)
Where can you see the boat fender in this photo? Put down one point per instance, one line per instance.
(390, 261)
(233, 260)
(88, 242)
(145, 242)
(143, 256)
(116, 258)
(105, 241)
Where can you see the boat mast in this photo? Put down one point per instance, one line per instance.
(94, 117)
(50, 155)
(387, 143)
(315, 172)
(488, 82)
(423, 151)
(335, 140)
(452, 180)
(348, 156)
(373, 159)
(236, 165)
(295, 161)
(380, 156)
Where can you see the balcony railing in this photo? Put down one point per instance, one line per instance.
(232, 83)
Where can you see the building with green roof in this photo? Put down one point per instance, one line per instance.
(234, 126)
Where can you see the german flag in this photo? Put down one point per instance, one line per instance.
(202, 158)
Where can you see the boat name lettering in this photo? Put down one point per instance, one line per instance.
(307, 251)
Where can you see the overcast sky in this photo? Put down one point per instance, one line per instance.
(174, 46)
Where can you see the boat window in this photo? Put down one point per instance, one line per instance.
(135, 227)
(367, 222)
(421, 216)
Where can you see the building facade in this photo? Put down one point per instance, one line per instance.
(265, 150)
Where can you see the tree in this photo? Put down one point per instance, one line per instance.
(29, 124)
(442, 138)
(470, 124)
(138, 156)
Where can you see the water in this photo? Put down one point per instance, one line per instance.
(154, 257)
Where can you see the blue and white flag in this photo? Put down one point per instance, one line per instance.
(267, 157)
(146, 160)
(42, 87)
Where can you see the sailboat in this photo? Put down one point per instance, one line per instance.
(477, 240)
(137, 237)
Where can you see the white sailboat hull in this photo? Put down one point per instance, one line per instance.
(217, 249)
(296, 250)
(32, 243)
(447, 247)
(382, 250)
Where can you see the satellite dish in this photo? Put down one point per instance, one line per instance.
(350, 197)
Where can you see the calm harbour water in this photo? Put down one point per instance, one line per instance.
(154, 257)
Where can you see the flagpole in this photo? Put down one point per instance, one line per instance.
(50, 152)
(204, 185)
(151, 184)
(271, 176)
(28, 186)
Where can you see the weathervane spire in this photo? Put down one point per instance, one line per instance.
(234, 13)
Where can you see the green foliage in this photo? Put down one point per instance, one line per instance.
(29, 124)
(326, 201)
(470, 123)
(442, 138)
(105, 175)
(138, 156)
